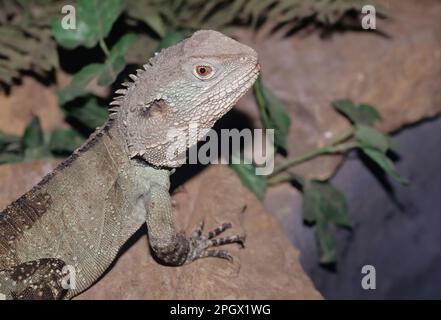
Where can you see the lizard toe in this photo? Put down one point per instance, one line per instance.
(200, 244)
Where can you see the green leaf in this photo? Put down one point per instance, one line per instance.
(221, 18)
(110, 70)
(91, 114)
(311, 204)
(39, 153)
(149, 14)
(10, 157)
(323, 202)
(393, 143)
(256, 8)
(154, 21)
(280, 118)
(384, 163)
(78, 85)
(33, 136)
(115, 63)
(33, 141)
(106, 73)
(273, 114)
(247, 174)
(358, 114)
(372, 138)
(139, 52)
(328, 247)
(325, 205)
(171, 39)
(65, 140)
(94, 20)
(12, 147)
(6, 139)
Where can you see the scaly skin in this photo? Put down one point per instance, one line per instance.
(74, 222)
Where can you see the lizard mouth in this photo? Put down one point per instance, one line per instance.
(235, 90)
(242, 85)
(248, 80)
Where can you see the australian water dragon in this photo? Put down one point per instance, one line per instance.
(86, 209)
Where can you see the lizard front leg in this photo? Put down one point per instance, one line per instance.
(174, 248)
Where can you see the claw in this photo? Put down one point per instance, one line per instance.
(200, 244)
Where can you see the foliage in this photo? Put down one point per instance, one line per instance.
(272, 114)
(95, 18)
(373, 143)
(323, 204)
(256, 183)
(34, 144)
(26, 41)
(165, 16)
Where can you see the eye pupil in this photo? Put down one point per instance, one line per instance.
(202, 70)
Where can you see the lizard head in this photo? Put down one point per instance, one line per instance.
(183, 91)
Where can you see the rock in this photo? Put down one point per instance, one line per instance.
(29, 99)
(400, 74)
(16, 179)
(268, 268)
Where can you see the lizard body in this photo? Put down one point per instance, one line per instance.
(81, 214)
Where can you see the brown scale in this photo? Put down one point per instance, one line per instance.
(39, 279)
(21, 215)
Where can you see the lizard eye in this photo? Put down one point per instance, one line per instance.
(203, 72)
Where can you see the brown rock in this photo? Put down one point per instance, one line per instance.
(16, 179)
(29, 99)
(268, 268)
(399, 74)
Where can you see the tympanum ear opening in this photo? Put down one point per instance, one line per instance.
(157, 107)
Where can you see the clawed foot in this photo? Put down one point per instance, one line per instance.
(200, 245)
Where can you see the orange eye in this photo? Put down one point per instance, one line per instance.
(203, 71)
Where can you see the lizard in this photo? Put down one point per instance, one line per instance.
(72, 224)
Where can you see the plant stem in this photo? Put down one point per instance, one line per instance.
(329, 149)
(104, 47)
(342, 137)
(343, 147)
(285, 178)
(278, 179)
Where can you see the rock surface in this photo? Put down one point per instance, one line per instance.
(16, 179)
(29, 99)
(268, 268)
